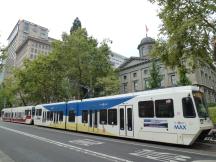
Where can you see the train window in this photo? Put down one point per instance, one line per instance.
(2, 113)
(90, 118)
(121, 119)
(146, 109)
(33, 111)
(188, 108)
(51, 116)
(129, 119)
(164, 108)
(112, 117)
(95, 119)
(60, 115)
(71, 115)
(27, 112)
(38, 112)
(85, 116)
(48, 115)
(103, 116)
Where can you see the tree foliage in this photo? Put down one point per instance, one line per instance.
(188, 27)
(183, 79)
(155, 77)
(76, 25)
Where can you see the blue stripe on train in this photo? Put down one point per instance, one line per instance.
(88, 105)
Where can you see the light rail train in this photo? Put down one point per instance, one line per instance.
(176, 115)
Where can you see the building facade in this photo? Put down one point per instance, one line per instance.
(135, 73)
(30, 48)
(116, 59)
(20, 43)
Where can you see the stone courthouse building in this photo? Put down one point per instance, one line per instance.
(134, 73)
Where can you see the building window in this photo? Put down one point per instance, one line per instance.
(161, 69)
(124, 87)
(26, 27)
(135, 84)
(31, 56)
(145, 71)
(35, 29)
(146, 83)
(162, 83)
(146, 109)
(134, 75)
(173, 79)
(125, 77)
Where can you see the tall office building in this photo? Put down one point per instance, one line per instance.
(25, 41)
(116, 59)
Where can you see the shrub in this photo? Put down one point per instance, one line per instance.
(212, 113)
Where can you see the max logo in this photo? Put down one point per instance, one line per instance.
(180, 126)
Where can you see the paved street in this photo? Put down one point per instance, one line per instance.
(24, 143)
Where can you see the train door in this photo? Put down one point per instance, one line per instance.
(93, 118)
(126, 121)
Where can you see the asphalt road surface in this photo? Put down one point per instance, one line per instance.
(28, 143)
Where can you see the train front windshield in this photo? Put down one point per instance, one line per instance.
(201, 105)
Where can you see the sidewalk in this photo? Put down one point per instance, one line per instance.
(5, 158)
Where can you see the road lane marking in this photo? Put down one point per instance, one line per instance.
(74, 148)
(161, 147)
(160, 156)
(86, 142)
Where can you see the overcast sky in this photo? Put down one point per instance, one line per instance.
(122, 21)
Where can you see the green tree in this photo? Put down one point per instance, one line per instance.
(84, 61)
(41, 80)
(76, 25)
(8, 93)
(188, 28)
(183, 79)
(108, 85)
(155, 78)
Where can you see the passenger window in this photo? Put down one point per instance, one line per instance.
(33, 111)
(112, 117)
(61, 115)
(164, 108)
(71, 116)
(51, 116)
(85, 116)
(48, 115)
(188, 108)
(146, 109)
(38, 112)
(122, 119)
(103, 116)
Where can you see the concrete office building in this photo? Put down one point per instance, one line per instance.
(134, 73)
(20, 42)
(116, 59)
